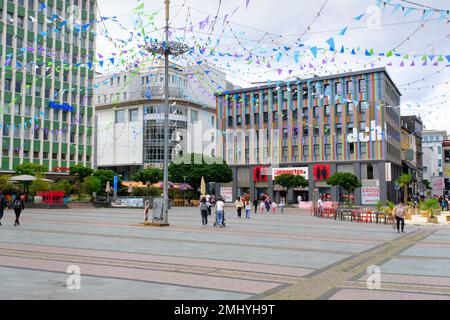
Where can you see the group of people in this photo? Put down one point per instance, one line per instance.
(17, 204)
(206, 204)
(444, 202)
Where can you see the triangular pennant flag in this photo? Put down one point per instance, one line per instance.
(343, 31)
(368, 53)
(353, 52)
(397, 6)
(314, 51)
(359, 17)
(331, 43)
(413, 64)
(389, 54)
(342, 50)
(402, 64)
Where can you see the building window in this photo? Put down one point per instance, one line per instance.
(327, 110)
(350, 108)
(370, 175)
(362, 126)
(134, 115)
(363, 148)
(338, 128)
(338, 109)
(316, 150)
(194, 116)
(120, 116)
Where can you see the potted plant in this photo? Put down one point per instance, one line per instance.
(431, 206)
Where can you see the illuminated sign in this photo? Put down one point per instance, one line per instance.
(61, 169)
(295, 171)
(321, 172)
(260, 174)
(374, 133)
(64, 106)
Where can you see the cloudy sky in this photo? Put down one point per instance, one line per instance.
(251, 33)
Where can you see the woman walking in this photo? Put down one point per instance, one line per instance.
(248, 209)
(204, 211)
(399, 212)
(18, 207)
(239, 206)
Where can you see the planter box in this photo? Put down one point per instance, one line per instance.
(433, 220)
(419, 220)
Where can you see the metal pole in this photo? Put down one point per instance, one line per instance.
(166, 118)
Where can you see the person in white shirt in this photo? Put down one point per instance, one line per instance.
(320, 207)
(299, 199)
(220, 205)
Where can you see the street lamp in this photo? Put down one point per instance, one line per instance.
(166, 48)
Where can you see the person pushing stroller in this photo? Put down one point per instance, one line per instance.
(220, 215)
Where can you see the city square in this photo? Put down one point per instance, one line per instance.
(291, 256)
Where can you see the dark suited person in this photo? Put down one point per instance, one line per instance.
(3, 206)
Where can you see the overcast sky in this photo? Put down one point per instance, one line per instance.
(267, 24)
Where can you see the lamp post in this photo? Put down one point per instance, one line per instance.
(166, 48)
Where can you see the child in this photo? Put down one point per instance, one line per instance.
(274, 207)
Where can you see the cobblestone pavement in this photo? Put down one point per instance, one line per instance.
(288, 256)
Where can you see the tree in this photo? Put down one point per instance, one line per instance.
(105, 176)
(91, 184)
(427, 185)
(404, 181)
(195, 166)
(31, 169)
(39, 185)
(431, 205)
(149, 176)
(349, 182)
(80, 172)
(63, 185)
(290, 181)
(6, 186)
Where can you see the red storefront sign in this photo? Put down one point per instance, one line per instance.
(260, 174)
(61, 169)
(321, 172)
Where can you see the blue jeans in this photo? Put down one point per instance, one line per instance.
(247, 213)
(219, 217)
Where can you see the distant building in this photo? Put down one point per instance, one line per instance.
(412, 155)
(433, 155)
(130, 117)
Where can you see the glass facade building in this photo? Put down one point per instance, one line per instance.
(46, 96)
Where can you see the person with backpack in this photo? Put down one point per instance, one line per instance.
(204, 210)
(3, 206)
(18, 207)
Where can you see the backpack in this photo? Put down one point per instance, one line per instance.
(17, 204)
(204, 206)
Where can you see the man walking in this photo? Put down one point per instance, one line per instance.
(18, 206)
(3, 206)
(399, 212)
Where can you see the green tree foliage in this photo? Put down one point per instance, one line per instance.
(91, 184)
(195, 166)
(290, 181)
(31, 169)
(80, 172)
(63, 185)
(147, 192)
(104, 176)
(149, 176)
(431, 206)
(404, 181)
(39, 185)
(7, 187)
(349, 182)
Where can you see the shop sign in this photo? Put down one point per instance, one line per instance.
(321, 172)
(64, 106)
(374, 133)
(438, 183)
(260, 174)
(388, 171)
(370, 195)
(61, 169)
(303, 171)
(227, 194)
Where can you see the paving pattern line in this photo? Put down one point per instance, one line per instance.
(320, 284)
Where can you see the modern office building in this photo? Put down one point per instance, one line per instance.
(315, 127)
(45, 83)
(130, 111)
(433, 154)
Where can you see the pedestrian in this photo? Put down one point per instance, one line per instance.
(239, 206)
(399, 212)
(282, 205)
(255, 204)
(208, 201)
(146, 209)
(204, 210)
(299, 199)
(18, 207)
(220, 205)
(320, 207)
(3, 206)
(267, 204)
(262, 206)
(248, 209)
(274, 207)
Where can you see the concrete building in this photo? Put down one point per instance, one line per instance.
(45, 83)
(315, 127)
(433, 155)
(130, 111)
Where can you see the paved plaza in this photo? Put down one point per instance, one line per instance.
(288, 256)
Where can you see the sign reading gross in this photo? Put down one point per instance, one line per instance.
(370, 195)
(227, 194)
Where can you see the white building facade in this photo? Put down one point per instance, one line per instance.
(433, 154)
(130, 119)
